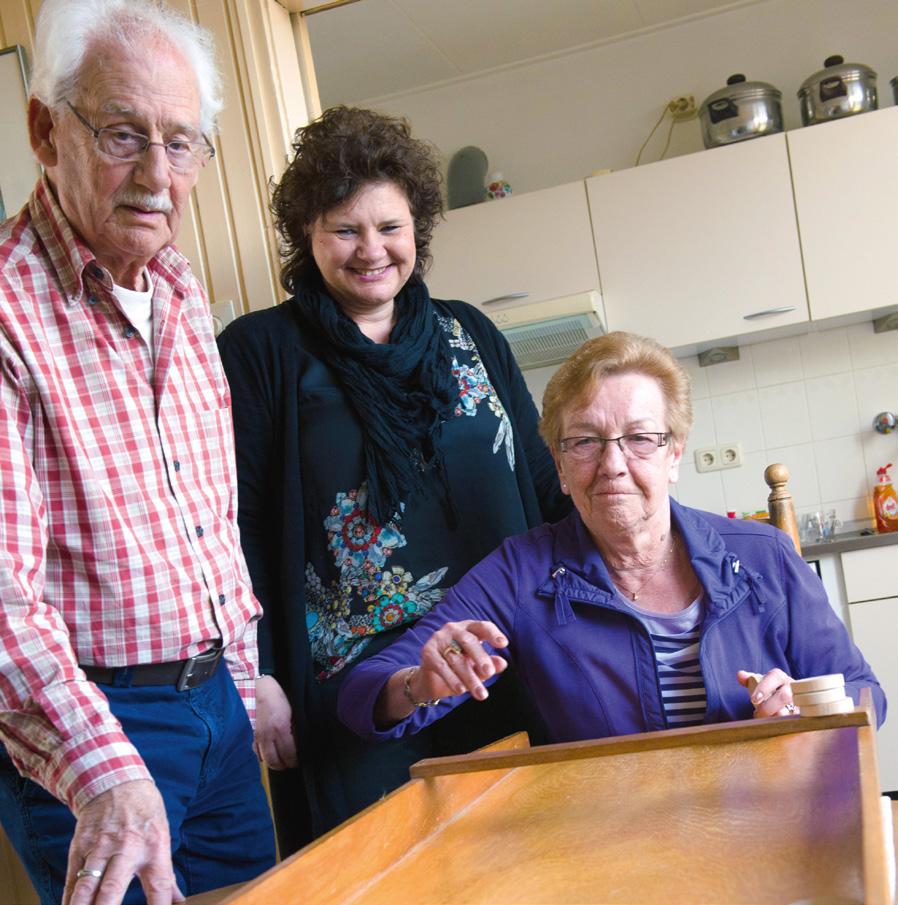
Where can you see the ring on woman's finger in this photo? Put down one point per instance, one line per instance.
(453, 647)
(88, 872)
(791, 708)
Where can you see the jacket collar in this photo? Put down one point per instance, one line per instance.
(578, 572)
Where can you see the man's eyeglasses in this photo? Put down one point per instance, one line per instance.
(123, 144)
(638, 446)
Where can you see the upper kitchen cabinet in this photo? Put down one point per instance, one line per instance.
(701, 247)
(846, 194)
(526, 248)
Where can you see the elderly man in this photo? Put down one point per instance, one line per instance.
(127, 623)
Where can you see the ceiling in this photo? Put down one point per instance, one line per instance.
(373, 48)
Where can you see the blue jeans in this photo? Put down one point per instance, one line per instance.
(197, 746)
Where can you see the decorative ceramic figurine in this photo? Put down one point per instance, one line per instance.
(497, 187)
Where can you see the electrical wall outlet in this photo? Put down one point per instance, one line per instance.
(706, 459)
(730, 455)
(714, 458)
(682, 107)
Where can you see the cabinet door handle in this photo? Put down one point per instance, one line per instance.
(768, 312)
(508, 297)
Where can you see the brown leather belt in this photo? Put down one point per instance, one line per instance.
(183, 674)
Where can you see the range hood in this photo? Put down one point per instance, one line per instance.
(546, 333)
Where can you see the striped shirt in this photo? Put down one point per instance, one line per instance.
(676, 639)
(118, 537)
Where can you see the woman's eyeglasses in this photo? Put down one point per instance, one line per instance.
(638, 446)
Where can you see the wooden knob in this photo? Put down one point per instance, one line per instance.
(776, 475)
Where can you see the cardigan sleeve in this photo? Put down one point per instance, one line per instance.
(253, 384)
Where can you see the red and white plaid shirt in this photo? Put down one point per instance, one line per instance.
(118, 531)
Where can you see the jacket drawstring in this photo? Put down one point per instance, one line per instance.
(564, 612)
(756, 582)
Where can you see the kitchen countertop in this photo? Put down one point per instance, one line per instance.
(851, 539)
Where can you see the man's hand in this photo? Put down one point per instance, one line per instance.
(274, 743)
(122, 832)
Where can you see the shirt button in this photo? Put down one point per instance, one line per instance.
(92, 300)
(129, 332)
(199, 530)
(221, 599)
(177, 465)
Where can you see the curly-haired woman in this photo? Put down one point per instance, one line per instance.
(386, 443)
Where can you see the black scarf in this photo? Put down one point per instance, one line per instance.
(402, 391)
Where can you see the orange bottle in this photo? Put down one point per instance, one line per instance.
(885, 501)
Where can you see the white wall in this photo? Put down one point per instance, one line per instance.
(559, 119)
(806, 401)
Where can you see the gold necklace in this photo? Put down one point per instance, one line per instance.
(635, 591)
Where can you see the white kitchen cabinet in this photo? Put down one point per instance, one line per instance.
(873, 627)
(846, 195)
(871, 574)
(538, 244)
(700, 247)
(871, 585)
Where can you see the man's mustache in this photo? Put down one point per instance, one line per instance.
(158, 202)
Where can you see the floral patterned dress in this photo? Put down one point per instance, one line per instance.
(364, 579)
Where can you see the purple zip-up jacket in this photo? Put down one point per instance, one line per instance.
(588, 663)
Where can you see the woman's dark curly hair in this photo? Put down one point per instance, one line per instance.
(335, 156)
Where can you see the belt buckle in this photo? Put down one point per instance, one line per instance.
(199, 668)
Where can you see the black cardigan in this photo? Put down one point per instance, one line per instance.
(262, 354)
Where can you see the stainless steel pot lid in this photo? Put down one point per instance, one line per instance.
(738, 89)
(836, 67)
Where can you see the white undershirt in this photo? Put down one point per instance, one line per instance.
(137, 306)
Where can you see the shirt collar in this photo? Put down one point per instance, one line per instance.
(72, 259)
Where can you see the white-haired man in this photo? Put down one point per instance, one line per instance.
(126, 768)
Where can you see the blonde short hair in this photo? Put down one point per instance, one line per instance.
(580, 378)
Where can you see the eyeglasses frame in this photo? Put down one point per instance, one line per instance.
(205, 143)
(662, 438)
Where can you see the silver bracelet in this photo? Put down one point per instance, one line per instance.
(407, 688)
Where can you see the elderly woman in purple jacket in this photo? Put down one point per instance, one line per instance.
(633, 613)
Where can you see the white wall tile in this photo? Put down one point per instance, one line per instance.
(858, 509)
(784, 414)
(803, 484)
(744, 488)
(703, 432)
(877, 391)
(701, 491)
(697, 377)
(777, 361)
(869, 348)
(732, 376)
(840, 468)
(825, 352)
(737, 419)
(832, 406)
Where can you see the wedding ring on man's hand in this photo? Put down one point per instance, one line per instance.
(453, 647)
(88, 872)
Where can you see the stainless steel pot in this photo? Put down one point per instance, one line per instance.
(839, 89)
(739, 111)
